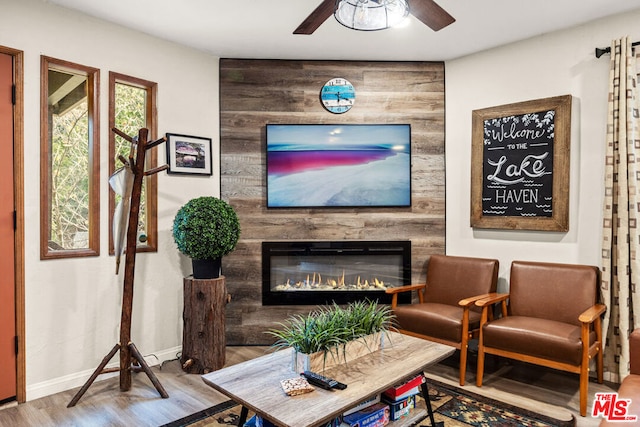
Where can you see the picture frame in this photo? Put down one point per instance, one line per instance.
(520, 161)
(187, 154)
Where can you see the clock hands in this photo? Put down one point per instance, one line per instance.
(345, 98)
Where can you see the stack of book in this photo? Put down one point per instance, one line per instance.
(376, 415)
(394, 403)
(258, 421)
(402, 397)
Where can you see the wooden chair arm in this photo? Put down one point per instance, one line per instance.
(592, 313)
(406, 288)
(469, 301)
(493, 298)
(395, 291)
(486, 303)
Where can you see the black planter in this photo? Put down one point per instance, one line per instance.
(206, 268)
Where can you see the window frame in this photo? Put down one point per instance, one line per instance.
(93, 111)
(151, 182)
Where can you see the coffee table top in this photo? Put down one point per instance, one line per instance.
(256, 383)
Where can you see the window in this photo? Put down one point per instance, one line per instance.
(132, 105)
(69, 160)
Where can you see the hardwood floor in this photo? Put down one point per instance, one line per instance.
(104, 405)
(539, 389)
(535, 388)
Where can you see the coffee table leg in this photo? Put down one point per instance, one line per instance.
(425, 395)
(243, 416)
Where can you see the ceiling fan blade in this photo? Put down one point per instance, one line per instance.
(317, 17)
(431, 14)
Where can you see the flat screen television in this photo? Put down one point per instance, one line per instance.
(338, 165)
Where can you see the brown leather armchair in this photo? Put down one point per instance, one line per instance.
(446, 312)
(551, 319)
(630, 386)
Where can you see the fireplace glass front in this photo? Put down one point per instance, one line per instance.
(325, 272)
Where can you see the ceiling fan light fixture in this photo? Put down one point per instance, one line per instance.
(370, 15)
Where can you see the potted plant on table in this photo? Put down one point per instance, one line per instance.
(333, 335)
(206, 229)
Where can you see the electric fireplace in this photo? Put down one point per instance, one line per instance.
(323, 272)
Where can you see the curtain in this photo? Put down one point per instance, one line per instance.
(620, 263)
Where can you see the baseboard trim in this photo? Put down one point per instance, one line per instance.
(68, 382)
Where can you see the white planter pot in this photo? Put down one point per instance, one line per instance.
(318, 362)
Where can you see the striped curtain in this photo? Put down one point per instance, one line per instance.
(620, 263)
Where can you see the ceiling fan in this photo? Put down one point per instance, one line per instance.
(427, 11)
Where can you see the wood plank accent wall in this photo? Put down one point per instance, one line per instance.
(256, 92)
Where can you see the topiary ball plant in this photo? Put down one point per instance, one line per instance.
(206, 229)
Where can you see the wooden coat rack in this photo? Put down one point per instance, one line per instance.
(129, 354)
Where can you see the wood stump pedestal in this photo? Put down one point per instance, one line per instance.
(203, 337)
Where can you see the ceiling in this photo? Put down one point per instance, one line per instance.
(264, 28)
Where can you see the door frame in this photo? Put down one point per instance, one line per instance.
(18, 184)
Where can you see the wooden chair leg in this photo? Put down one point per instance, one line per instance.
(584, 369)
(600, 350)
(600, 366)
(464, 344)
(480, 368)
(463, 360)
(584, 385)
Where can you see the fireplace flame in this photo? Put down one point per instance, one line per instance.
(314, 282)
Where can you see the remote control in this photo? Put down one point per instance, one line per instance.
(323, 382)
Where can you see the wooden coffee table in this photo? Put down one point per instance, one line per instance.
(255, 384)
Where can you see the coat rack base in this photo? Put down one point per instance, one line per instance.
(124, 372)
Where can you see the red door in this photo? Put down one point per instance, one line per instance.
(8, 367)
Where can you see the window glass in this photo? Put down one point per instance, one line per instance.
(132, 107)
(69, 160)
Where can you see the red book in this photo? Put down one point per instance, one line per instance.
(400, 389)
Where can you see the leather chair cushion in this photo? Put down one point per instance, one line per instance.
(544, 338)
(435, 320)
(629, 389)
(634, 351)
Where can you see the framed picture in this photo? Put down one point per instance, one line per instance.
(188, 154)
(520, 165)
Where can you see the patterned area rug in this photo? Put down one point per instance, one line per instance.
(458, 407)
(455, 406)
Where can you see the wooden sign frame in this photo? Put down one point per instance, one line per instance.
(530, 167)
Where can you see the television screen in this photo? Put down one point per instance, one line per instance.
(338, 165)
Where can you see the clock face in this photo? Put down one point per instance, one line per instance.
(338, 95)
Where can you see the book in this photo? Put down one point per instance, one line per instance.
(400, 389)
(376, 415)
(400, 408)
(257, 421)
(403, 396)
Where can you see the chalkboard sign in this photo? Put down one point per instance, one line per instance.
(520, 171)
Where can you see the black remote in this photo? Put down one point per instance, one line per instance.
(322, 381)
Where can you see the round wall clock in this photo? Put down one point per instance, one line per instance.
(337, 95)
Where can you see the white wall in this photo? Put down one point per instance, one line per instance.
(553, 64)
(73, 305)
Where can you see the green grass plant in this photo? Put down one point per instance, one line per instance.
(328, 327)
